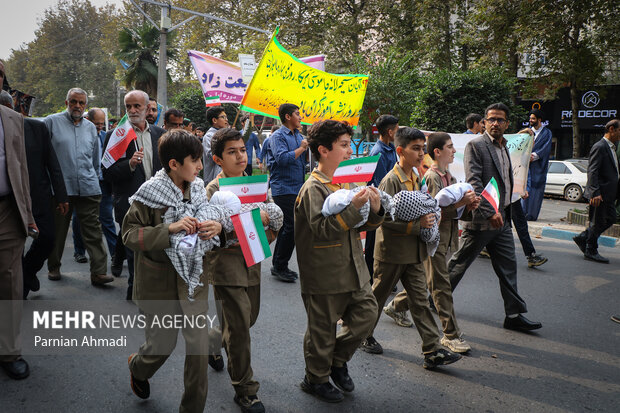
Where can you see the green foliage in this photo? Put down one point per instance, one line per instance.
(191, 102)
(391, 86)
(446, 97)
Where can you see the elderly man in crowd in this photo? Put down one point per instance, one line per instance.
(77, 146)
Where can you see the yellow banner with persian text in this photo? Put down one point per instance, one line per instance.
(282, 78)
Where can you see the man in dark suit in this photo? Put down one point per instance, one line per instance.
(139, 163)
(539, 162)
(486, 157)
(602, 191)
(15, 221)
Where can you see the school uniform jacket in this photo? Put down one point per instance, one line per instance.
(329, 249)
(449, 225)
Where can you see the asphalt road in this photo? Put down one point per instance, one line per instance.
(571, 365)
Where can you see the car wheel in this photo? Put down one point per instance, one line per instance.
(573, 193)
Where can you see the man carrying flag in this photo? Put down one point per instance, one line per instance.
(488, 170)
(130, 158)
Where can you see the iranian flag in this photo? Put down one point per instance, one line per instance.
(118, 143)
(248, 188)
(491, 194)
(252, 236)
(423, 186)
(356, 170)
(212, 101)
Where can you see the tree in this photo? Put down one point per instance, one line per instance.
(191, 102)
(446, 97)
(139, 47)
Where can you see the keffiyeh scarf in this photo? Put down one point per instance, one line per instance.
(411, 205)
(185, 251)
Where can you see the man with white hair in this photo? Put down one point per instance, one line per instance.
(139, 163)
(77, 147)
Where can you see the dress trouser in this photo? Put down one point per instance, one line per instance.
(285, 244)
(413, 278)
(501, 247)
(12, 240)
(601, 218)
(41, 247)
(323, 348)
(240, 307)
(87, 208)
(106, 217)
(520, 223)
(159, 343)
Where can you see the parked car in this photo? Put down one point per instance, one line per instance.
(567, 178)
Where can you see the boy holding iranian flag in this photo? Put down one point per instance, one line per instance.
(334, 277)
(236, 284)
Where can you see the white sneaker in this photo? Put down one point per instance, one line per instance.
(400, 318)
(456, 345)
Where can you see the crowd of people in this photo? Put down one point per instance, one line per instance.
(155, 195)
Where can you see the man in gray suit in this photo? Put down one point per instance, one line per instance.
(486, 157)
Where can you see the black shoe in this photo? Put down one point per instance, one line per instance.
(342, 380)
(283, 275)
(581, 243)
(16, 369)
(216, 362)
(32, 283)
(250, 404)
(116, 267)
(595, 256)
(323, 391)
(431, 304)
(140, 388)
(370, 345)
(81, 258)
(291, 273)
(520, 323)
(440, 357)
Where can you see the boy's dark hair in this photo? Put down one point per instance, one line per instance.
(219, 139)
(178, 144)
(538, 113)
(437, 140)
(325, 133)
(471, 119)
(192, 125)
(202, 128)
(173, 112)
(497, 106)
(407, 134)
(286, 109)
(214, 112)
(385, 123)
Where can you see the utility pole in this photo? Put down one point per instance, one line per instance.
(166, 27)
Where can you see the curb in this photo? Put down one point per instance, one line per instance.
(568, 235)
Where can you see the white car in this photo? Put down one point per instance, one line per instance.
(567, 178)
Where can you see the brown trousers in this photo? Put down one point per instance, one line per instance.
(413, 278)
(12, 240)
(160, 342)
(323, 348)
(240, 307)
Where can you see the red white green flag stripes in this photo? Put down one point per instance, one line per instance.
(491, 194)
(356, 170)
(252, 236)
(118, 143)
(248, 188)
(212, 101)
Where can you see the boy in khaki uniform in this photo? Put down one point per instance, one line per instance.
(441, 150)
(235, 284)
(334, 277)
(156, 278)
(399, 253)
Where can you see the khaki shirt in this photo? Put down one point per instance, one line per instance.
(329, 249)
(226, 266)
(398, 242)
(449, 226)
(155, 277)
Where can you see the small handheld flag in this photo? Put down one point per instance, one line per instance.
(252, 236)
(356, 170)
(491, 194)
(423, 186)
(118, 143)
(248, 188)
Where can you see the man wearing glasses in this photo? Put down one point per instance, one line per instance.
(218, 120)
(486, 157)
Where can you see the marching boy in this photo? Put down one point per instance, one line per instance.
(235, 284)
(334, 277)
(441, 150)
(400, 254)
(160, 211)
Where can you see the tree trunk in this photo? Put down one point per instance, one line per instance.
(574, 102)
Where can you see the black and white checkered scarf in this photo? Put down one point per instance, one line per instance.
(412, 205)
